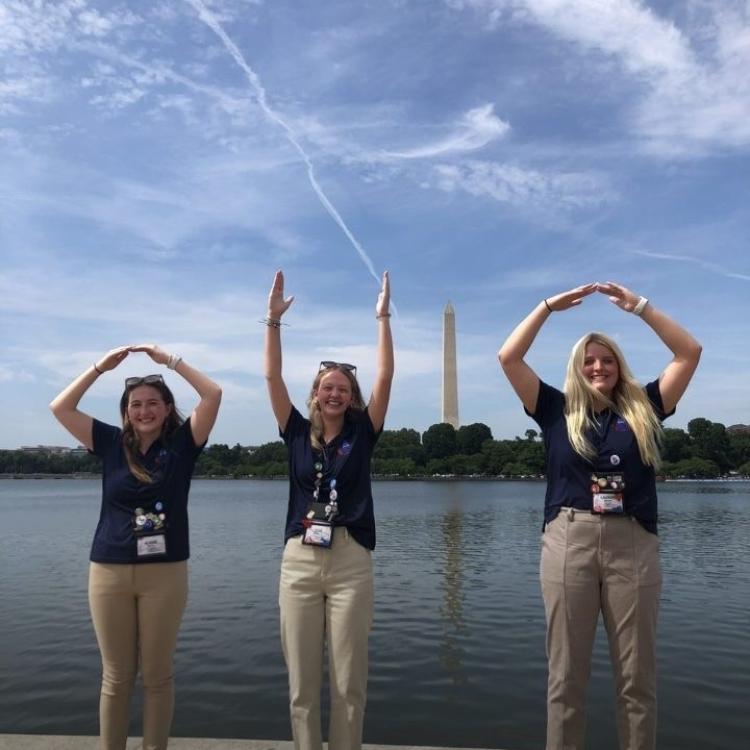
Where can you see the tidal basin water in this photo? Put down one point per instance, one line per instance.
(457, 648)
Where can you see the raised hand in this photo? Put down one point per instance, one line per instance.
(384, 297)
(277, 305)
(619, 295)
(112, 358)
(566, 300)
(158, 355)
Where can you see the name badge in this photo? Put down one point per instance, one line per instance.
(152, 545)
(606, 493)
(607, 503)
(318, 533)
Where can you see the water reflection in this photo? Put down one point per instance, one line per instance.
(453, 598)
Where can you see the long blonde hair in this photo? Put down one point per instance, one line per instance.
(316, 419)
(628, 400)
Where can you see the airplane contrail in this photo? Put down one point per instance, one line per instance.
(208, 18)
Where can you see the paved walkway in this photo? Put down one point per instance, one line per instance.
(60, 742)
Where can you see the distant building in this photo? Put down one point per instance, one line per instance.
(53, 449)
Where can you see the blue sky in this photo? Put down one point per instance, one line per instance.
(161, 159)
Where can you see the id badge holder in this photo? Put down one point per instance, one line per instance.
(318, 534)
(318, 524)
(149, 528)
(606, 494)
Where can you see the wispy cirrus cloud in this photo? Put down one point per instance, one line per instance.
(477, 128)
(525, 188)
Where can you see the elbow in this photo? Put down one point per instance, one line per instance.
(504, 358)
(695, 352)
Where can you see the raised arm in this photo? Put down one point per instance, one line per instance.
(381, 389)
(65, 405)
(524, 380)
(277, 392)
(204, 415)
(686, 350)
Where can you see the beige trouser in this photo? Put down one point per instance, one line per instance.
(137, 610)
(326, 591)
(592, 563)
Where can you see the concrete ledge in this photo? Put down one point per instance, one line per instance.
(73, 742)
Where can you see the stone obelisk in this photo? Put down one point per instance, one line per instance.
(450, 376)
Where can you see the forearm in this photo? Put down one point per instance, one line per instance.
(522, 337)
(681, 343)
(272, 355)
(385, 361)
(68, 399)
(204, 386)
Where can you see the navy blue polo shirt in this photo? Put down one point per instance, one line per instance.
(171, 466)
(347, 459)
(569, 474)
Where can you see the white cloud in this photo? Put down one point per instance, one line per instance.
(696, 90)
(477, 128)
(525, 188)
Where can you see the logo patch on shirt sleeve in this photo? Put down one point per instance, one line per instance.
(621, 425)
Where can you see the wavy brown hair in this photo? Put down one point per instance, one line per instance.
(629, 400)
(316, 420)
(130, 439)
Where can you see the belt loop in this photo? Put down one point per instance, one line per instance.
(571, 514)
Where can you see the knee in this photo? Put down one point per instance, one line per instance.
(157, 679)
(117, 680)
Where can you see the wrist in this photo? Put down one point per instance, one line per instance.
(172, 361)
(382, 316)
(640, 306)
(98, 370)
(546, 304)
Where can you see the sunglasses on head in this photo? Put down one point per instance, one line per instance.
(145, 380)
(328, 364)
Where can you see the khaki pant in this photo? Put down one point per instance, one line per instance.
(326, 592)
(608, 564)
(137, 610)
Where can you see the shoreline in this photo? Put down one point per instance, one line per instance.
(375, 477)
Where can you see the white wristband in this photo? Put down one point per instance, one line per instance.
(173, 361)
(640, 306)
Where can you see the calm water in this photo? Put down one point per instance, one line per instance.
(457, 649)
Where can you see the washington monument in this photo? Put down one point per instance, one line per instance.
(450, 377)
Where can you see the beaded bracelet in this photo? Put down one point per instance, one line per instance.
(271, 323)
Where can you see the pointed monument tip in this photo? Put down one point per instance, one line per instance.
(448, 308)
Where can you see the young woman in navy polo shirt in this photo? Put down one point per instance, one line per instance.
(599, 547)
(138, 571)
(326, 570)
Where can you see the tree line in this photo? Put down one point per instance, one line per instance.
(705, 450)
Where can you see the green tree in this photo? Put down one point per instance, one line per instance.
(400, 444)
(439, 441)
(710, 442)
(676, 445)
(470, 437)
(497, 453)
